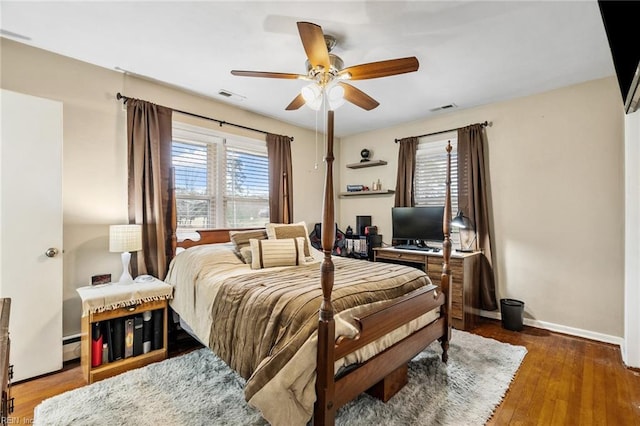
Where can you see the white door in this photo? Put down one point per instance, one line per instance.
(31, 219)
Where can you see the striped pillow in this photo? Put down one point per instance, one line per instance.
(290, 230)
(240, 240)
(283, 252)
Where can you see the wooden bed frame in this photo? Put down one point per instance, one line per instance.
(386, 373)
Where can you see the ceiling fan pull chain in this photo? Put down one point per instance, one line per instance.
(315, 166)
(324, 126)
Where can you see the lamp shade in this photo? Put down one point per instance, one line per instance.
(125, 238)
(335, 94)
(312, 95)
(461, 221)
(464, 223)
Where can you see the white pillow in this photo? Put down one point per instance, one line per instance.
(277, 231)
(280, 252)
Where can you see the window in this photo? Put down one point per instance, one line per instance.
(431, 171)
(221, 181)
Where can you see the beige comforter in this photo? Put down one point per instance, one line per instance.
(263, 323)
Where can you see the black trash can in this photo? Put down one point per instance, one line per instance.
(512, 314)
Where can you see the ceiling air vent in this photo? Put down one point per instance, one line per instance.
(230, 95)
(444, 107)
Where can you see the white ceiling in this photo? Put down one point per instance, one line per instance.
(470, 52)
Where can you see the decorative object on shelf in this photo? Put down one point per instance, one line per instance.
(356, 188)
(365, 154)
(463, 222)
(349, 231)
(377, 186)
(125, 239)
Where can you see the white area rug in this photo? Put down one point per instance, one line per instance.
(199, 389)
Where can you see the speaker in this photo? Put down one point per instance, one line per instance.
(373, 241)
(361, 223)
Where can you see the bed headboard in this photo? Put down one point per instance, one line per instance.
(207, 236)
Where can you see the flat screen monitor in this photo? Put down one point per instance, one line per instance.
(417, 223)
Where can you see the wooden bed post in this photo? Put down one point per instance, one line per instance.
(445, 282)
(324, 411)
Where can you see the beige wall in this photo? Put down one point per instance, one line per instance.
(94, 153)
(556, 173)
(557, 189)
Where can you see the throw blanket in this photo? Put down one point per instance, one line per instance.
(262, 320)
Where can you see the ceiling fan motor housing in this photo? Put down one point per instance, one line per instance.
(320, 74)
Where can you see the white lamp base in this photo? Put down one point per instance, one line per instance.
(126, 277)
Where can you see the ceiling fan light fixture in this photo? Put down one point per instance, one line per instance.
(335, 96)
(311, 92)
(326, 71)
(312, 95)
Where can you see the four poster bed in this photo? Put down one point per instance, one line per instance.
(311, 336)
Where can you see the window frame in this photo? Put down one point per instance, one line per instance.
(218, 143)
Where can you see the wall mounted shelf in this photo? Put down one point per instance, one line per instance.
(363, 164)
(360, 193)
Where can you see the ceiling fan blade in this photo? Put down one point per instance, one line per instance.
(314, 44)
(296, 103)
(266, 74)
(382, 68)
(358, 97)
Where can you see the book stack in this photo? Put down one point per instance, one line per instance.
(124, 337)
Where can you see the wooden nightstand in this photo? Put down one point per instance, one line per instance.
(109, 309)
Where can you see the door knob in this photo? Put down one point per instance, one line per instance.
(51, 252)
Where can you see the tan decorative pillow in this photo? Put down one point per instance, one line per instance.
(281, 252)
(245, 253)
(277, 231)
(240, 239)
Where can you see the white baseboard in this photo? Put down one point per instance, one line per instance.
(70, 350)
(578, 332)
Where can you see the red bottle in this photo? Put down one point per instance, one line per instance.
(96, 345)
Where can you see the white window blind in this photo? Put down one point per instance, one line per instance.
(220, 182)
(431, 173)
(247, 184)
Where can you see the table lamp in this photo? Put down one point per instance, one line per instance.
(125, 239)
(463, 222)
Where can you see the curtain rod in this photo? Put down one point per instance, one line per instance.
(485, 124)
(221, 122)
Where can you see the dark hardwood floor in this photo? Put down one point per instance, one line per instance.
(563, 380)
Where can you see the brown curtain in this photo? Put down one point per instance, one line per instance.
(149, 145)
(473, 201)
(280, 178)
(406, 172)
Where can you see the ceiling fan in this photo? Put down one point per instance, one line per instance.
(328, 77)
